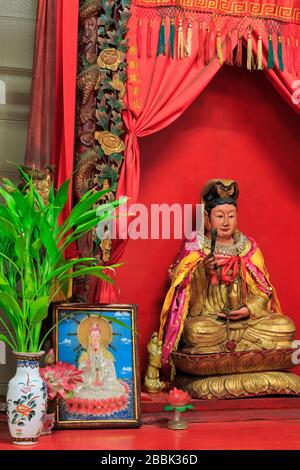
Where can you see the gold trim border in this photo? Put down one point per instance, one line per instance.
(136, 420)
(268, 10)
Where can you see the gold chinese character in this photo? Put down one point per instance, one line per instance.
(136, 104)
(136, 91)
(133, 50)
(133, 64)
(134, 77)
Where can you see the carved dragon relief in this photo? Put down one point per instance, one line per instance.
(100, 91)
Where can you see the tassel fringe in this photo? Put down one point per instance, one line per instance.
(249, 51)
(161, 49)
(239, 51)
(200, 42)
(219, 48)
(207, 46)
(289, 66)
(204, 50)
(139, 38)
(229, 49)
(180, 45)
(188, 46)
(270, 52)
(149, 39)
(171, 38)
(279, 52)
(259, 54)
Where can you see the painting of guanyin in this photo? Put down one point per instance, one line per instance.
(100, 345)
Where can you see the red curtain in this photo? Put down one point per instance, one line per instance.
(52, 113)
(159, 90)
(41, 123)
(65, 96)
(281, 80)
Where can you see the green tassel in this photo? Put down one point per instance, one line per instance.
(270, 53)
(161, 49)
(279, 53)
(171, 38)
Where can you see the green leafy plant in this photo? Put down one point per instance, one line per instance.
(33, 269)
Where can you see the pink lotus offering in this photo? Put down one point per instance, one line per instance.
(61, 379)
(179, 402)
(178, 398)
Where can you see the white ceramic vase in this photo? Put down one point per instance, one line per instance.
(26, 400)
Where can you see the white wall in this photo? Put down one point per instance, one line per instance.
(17, 29)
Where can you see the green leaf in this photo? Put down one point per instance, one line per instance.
(7, 228)
(62, 196)
(39, 310)
(37, 244)
(64, 267)
(3, 282)
(20, 247)
(115, 320)
(11, 309)
(117, 130)
(85, 204)
(90, 271)
(6, 341)
(181, 408)
(11, 203)
(116, 158)
(168, 408)
(189, 407)
(51, 195)
(9, 216)
(48, 241)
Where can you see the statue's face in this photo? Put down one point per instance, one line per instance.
(223, 218)
(95, 339)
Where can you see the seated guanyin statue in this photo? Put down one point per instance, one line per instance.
(221, 319)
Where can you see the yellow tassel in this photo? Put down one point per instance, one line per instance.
(219, 48)
(188, 46)
(259, 54)
(180, 45)
(249, 51)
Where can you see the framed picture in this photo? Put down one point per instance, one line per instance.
(100, 341)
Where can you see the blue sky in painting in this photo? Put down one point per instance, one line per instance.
(122, 343)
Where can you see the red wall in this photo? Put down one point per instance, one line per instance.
(238, 128)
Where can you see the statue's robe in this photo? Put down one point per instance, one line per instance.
(189, 317)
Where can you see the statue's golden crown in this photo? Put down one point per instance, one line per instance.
(218, 189)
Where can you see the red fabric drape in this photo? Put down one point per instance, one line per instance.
(158, 92)
(52, 113)
(164, 89)
(41, 123)
(64, 120)
(281, 80)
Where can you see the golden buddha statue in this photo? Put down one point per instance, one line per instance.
(221, 315)
(152, 383)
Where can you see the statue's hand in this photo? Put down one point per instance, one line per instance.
(240, 314)
(209, 264)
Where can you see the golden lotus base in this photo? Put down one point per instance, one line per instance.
(233, 362)
(240, 385)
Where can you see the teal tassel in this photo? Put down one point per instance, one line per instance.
(161, 49)
(171, 38)
(270, 53)
(279, 53)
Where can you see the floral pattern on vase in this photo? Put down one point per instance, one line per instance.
(26, 400)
